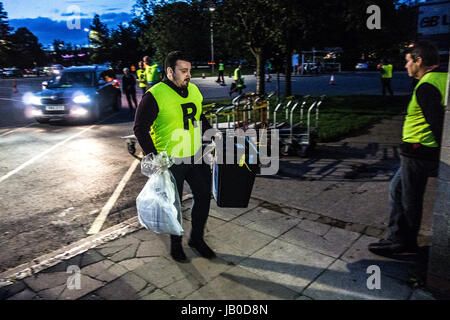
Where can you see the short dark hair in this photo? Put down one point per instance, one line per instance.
(425, 50)
(110, 73)
(172, 57)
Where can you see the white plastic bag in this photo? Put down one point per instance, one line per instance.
(158, 204)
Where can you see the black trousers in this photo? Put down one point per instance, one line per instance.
(386, 84)
(198, 176)
(131, 96)
(220, 77)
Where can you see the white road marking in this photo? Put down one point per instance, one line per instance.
(34, 159)
(11, 131)
(7, 99)
(100, 220)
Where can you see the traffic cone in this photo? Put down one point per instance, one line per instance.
(332, 80)
(15, 90)
(203, 75)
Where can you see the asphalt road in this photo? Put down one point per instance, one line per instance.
(56, 178)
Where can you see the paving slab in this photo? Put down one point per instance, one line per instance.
(402, 268)
(333, 243)
(286, 264)
(344, 281)
(127, 253)
(124, 288)
(87, 285)
(202, 269)
(26, 294)
(157, 247)
(329, 196)
(241, 238)
(42, 281)
(317, 228)
(351, 208)
(267, 221)
(228, 214)
(105, 270)
(182, 288)
(287, 192)
(158, 294)
(52, 293)
(131, 264)
(160, 271)
(9, 291)
(240, 284)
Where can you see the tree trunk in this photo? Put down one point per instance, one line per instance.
(260, 84)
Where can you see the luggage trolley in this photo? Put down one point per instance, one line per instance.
(303, 135)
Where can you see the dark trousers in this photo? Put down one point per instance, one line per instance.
(406, 193)
(220, 77)
(198, 176)
(235, 87)
(131, 96)
(386, 84)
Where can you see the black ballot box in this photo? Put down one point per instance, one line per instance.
(232, 183)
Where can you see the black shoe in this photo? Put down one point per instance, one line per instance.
(202, 248)
(177, 253)
(387, 247)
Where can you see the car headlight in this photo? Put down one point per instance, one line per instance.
(31, 99)
(36, 112)
(82, 99)
(78, 111)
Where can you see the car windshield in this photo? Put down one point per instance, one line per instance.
(73, 79)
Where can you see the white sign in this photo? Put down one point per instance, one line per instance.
(434, 19)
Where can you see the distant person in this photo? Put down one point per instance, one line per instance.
(141, 77)
(385, 68)
(238, 83)
(152, 72)
(420, 148)
(220, 78)
(295, 61)
(268, 68)
(129, 88)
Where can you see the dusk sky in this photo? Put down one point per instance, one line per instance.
(47, 19)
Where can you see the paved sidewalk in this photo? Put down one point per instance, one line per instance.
(303, 236)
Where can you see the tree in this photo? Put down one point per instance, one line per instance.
(100, 41)
(124, 46)
(179, 26)
(5, 29)
(254, 23)
(26, 51)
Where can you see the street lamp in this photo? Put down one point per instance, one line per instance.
(87, 30)
(211, 9)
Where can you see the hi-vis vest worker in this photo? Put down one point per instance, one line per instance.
(154, 73)
(236, 74)
(415, 128)
(177, 128)
(221, 67)
(387, 74)
(141, 78)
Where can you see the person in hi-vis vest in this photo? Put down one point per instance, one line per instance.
(420, 148)
(174, 107)
(141, 77)
(385, 68)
